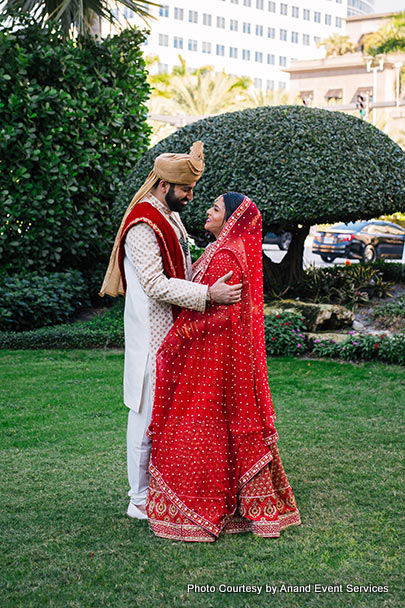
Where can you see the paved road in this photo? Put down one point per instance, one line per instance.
(276, 255)
(310, 259)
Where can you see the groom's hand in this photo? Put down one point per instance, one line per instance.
(221, 293)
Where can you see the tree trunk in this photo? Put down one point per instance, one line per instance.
(277, 277)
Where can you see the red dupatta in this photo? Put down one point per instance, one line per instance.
(212, 421)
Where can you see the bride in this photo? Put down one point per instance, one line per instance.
(215, 465)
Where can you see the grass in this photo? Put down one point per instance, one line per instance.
(68, 543)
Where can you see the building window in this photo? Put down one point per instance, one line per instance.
(178, 13)
(338, 22)
(233, 52)
(163, 40)
(221, 22)
(317, 17)
(193, 16)
(283, 34)
(207, 19)
(163, 68)
(246, 54)
(282, 62)
(258, 83)
(328, 19)
(283, 8)
(206, 47)
(220, 50)
(233, 25)
(258, 57)
(270, 59)
(247, 2)
(295, 11)
(177, 42)
(307, 14)
(272, 7)
(316, 40)
(259, 30)
(305, 39)
(164, 10)
(246, 28)
(271, 32)
(234, 1)
(281, 85)
(270, 85)
(192, 45)
(259, 4)
(294, 37)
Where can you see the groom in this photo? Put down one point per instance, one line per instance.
(150, 264)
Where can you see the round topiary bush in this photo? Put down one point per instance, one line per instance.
(300, 165)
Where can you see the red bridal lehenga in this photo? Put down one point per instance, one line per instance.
(215, 465)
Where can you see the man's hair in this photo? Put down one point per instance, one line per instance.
(159, 179)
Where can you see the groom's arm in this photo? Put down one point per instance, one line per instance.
(143, 250)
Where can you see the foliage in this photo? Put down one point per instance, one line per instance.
(102, 331)
(34, 300)
(283, 334)
(394, 308)
(300, 165)
(74, 16)
(390, 38)
(346, 285)
(364, 347)
(198, 92)
(391, 315)
(72, 125)
(390, 271)
(336, 44)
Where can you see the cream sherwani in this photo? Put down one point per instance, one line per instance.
(147, 319)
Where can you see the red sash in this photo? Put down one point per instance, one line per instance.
(168, 242)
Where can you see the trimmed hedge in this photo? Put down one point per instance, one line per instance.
(300, 165)
(283, 333)
(34, 300)
(72, 125)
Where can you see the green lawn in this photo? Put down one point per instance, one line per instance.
(67, 541)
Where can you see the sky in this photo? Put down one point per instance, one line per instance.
(386, 6)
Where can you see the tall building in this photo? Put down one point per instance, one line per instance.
(360, 7)
(254, 38)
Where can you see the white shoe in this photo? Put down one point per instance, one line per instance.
(135, 512)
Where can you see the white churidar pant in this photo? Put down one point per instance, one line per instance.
(139, 446)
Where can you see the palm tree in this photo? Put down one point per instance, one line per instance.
(76, 16)
(201, 92)
(390, 38)
(256, 98)
(337, 45)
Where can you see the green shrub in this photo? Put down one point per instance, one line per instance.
(72, 124)
(395, 308)
(33, 300)
(284, 334)
(364, 347)
(102, 331)
(300, 165)
(346, 285)
(390, 271)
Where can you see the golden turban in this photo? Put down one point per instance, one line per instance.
(174, 168)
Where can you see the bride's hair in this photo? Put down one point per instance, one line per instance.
(232, 200)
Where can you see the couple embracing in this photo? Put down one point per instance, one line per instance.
(201, 441)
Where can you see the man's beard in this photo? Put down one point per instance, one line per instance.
(174, 203)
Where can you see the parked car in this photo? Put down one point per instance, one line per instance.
(283, 239)
(366, 241)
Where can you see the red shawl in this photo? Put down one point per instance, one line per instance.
(168, 242)
(212, 421)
